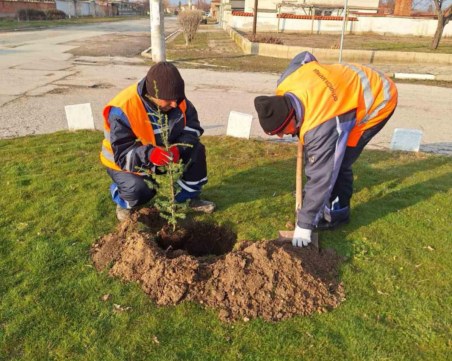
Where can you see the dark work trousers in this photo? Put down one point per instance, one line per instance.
(131, 190)
(343, 188)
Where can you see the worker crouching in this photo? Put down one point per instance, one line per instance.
(132, 149)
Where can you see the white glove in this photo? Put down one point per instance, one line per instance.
(301, 237)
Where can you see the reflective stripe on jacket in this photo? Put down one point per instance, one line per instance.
(327, 91)
(131, 104)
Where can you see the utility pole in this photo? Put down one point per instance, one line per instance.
(157, 31)
(344, 21)
(256, 3)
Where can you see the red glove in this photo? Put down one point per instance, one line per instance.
(175, 152)
(159, 156)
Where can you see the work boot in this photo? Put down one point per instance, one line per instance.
(201, 205)
(122, 213)
(324, 225)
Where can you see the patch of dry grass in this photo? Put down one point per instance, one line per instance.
(367, 41)
(213, 48)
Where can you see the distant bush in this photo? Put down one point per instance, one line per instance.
(265, 39)
(31, 14)
(55, 14)
(189, 21)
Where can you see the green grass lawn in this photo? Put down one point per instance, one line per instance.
(55, 204)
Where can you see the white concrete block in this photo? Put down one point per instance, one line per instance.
(239, 125)
(406, 139)
(414, 76)
(79, 116)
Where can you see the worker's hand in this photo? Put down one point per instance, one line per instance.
(301, 237)
(175, 152)
(160, 157)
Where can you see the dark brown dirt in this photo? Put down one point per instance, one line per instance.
(270, 279)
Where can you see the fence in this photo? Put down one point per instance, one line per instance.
(9, 9)
(357, 24)
(84, 8)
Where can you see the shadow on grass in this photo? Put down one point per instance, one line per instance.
(391, 198)
(374, 170)
(399, 199)
(258, 183)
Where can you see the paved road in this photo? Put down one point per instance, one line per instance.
(32, 59)
(39, 78)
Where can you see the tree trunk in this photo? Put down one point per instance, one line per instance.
(438, 32)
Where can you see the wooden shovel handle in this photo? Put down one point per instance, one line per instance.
(298, 179)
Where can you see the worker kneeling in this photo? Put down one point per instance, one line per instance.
(132, 149)
(335, 110)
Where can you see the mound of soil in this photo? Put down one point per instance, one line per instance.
(268, 279)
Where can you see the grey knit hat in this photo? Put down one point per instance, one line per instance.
(163, 81)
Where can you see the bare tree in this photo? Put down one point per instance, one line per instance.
(444, 13)
(203, 5)
(189, 21)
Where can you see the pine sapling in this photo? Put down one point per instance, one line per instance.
(166, 203)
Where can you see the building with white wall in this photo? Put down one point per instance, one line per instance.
(322, 7)
(363, 17)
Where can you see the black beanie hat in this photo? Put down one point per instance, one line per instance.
(274, 112)
(168, 81)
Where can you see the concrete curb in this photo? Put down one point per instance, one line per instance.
(365, 56)
(147, 52)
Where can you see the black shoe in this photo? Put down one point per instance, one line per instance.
(201, 205)
(324, 225)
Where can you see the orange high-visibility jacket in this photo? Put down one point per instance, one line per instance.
(131, 104)
(327, 91)
(335, 104)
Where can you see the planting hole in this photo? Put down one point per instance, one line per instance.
(198, 239)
